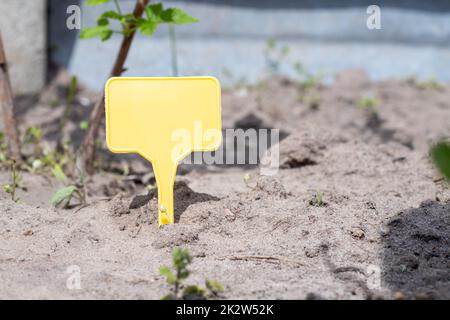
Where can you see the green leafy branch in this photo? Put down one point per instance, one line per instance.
(155, 15)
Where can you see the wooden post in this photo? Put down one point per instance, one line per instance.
(7, 109)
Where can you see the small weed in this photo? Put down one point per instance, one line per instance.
(77, 190)
(275, 55)
(317, 200)
(432, 84)
(16, 181)
(440, 154)
(178, 273)
(307, 80)
(63, 196)
(368, 104)
(84, 125)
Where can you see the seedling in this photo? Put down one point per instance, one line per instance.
(275, 55)
(317, 200)
(16, 180)
(368, 104)
(440, 154)
(62, 197)
(130, 23)
(84, 125)
(71, 94)
(431, 83)
(177, 275)
(307, 80)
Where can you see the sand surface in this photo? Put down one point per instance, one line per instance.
(382, 229)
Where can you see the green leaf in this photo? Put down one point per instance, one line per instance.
(59, 173)
(102, 31)
(34, 133)
(103, 19)
(7, 188)
(112, 15)
(147, 27)
(63, 194)
(440, 154)
(154, 11)
(183, 274)
(166, 272)
(214, 286)
(96, 2)
(181, 258)
(193, 293)
(84, 125)
(169, 296)
(177, 16)
(36, 164)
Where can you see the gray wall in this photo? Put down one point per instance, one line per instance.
(23, 28)
(230, 40)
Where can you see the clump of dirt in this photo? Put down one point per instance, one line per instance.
(356, 210)
(302, 148)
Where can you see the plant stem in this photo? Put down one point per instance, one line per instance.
(98, 111)
(116, 2)
(14, 180)
(7, 109)
(173, 50)
(72, 90)
(177, 283)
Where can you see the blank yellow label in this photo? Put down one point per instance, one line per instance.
(163, 120)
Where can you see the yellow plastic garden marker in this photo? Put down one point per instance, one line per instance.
(163, 120)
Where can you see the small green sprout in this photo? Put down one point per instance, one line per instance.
(84, 125)
(307, 80)
(16, 180)
(317, 200)
(368, 103)
(275, 55)
(431, 83)
(440, 154)
(63, 196)
(179, 273)
(58, 173)
(33, 135)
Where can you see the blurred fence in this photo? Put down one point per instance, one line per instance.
(231, 40)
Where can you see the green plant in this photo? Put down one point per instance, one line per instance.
(179, 273)
(84, 125)
(317, 200)
(440, 154)
(70, 98)
(16, 180)
(155, 15)
(63, 196)
(130, 23)
(275, 55)
(368, 103)
(431, 83)
(306, 79)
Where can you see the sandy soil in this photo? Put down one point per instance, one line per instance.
(382, 229)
